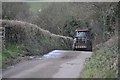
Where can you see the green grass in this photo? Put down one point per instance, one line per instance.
(101, 65)
(10, 53)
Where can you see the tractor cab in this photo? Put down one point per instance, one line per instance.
(82, 40)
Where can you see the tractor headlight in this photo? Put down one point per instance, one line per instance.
(74, 40)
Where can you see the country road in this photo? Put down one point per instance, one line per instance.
(56, 64)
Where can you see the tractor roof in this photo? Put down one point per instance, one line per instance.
(82, 30)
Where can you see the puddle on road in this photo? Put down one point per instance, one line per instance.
(54, 54)
(59, 54)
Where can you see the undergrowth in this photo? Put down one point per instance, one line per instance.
(103, 63)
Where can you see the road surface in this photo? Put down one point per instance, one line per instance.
(56, 64)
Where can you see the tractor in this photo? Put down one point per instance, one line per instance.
(82, 40)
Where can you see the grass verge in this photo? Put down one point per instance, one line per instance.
(9, 55)
(103, 63)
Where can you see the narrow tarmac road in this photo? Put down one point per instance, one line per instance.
(56, 64)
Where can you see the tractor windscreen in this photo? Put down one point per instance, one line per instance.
(80, 34)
